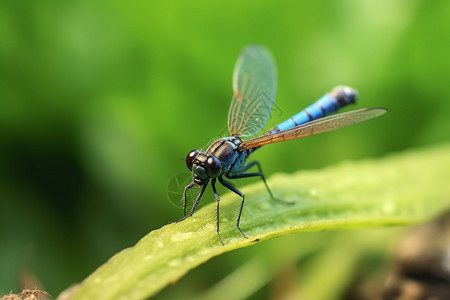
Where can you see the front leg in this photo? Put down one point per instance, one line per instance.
(190, 185)
(196, 202)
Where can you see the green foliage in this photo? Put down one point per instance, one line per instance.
(99, 100)
(371, 193)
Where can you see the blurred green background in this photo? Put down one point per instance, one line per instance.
(101, 100)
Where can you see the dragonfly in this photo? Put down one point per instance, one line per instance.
(254, 87)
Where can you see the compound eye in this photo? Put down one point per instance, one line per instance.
(213, 167)
(190, 158)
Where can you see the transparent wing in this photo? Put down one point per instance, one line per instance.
(315, 127)
(254, 86)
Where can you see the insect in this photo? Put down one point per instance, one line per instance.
(254, 86)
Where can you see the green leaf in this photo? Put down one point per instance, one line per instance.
(401, 189)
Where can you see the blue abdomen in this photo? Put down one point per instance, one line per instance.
(339, 97)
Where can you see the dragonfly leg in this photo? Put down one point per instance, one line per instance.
(196, 202)
(190, 185)
(261, 174)
(238, 192)
(216, 195)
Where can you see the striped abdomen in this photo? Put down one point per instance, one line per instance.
(339, 97)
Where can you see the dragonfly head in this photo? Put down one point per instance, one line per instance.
(203, 166)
